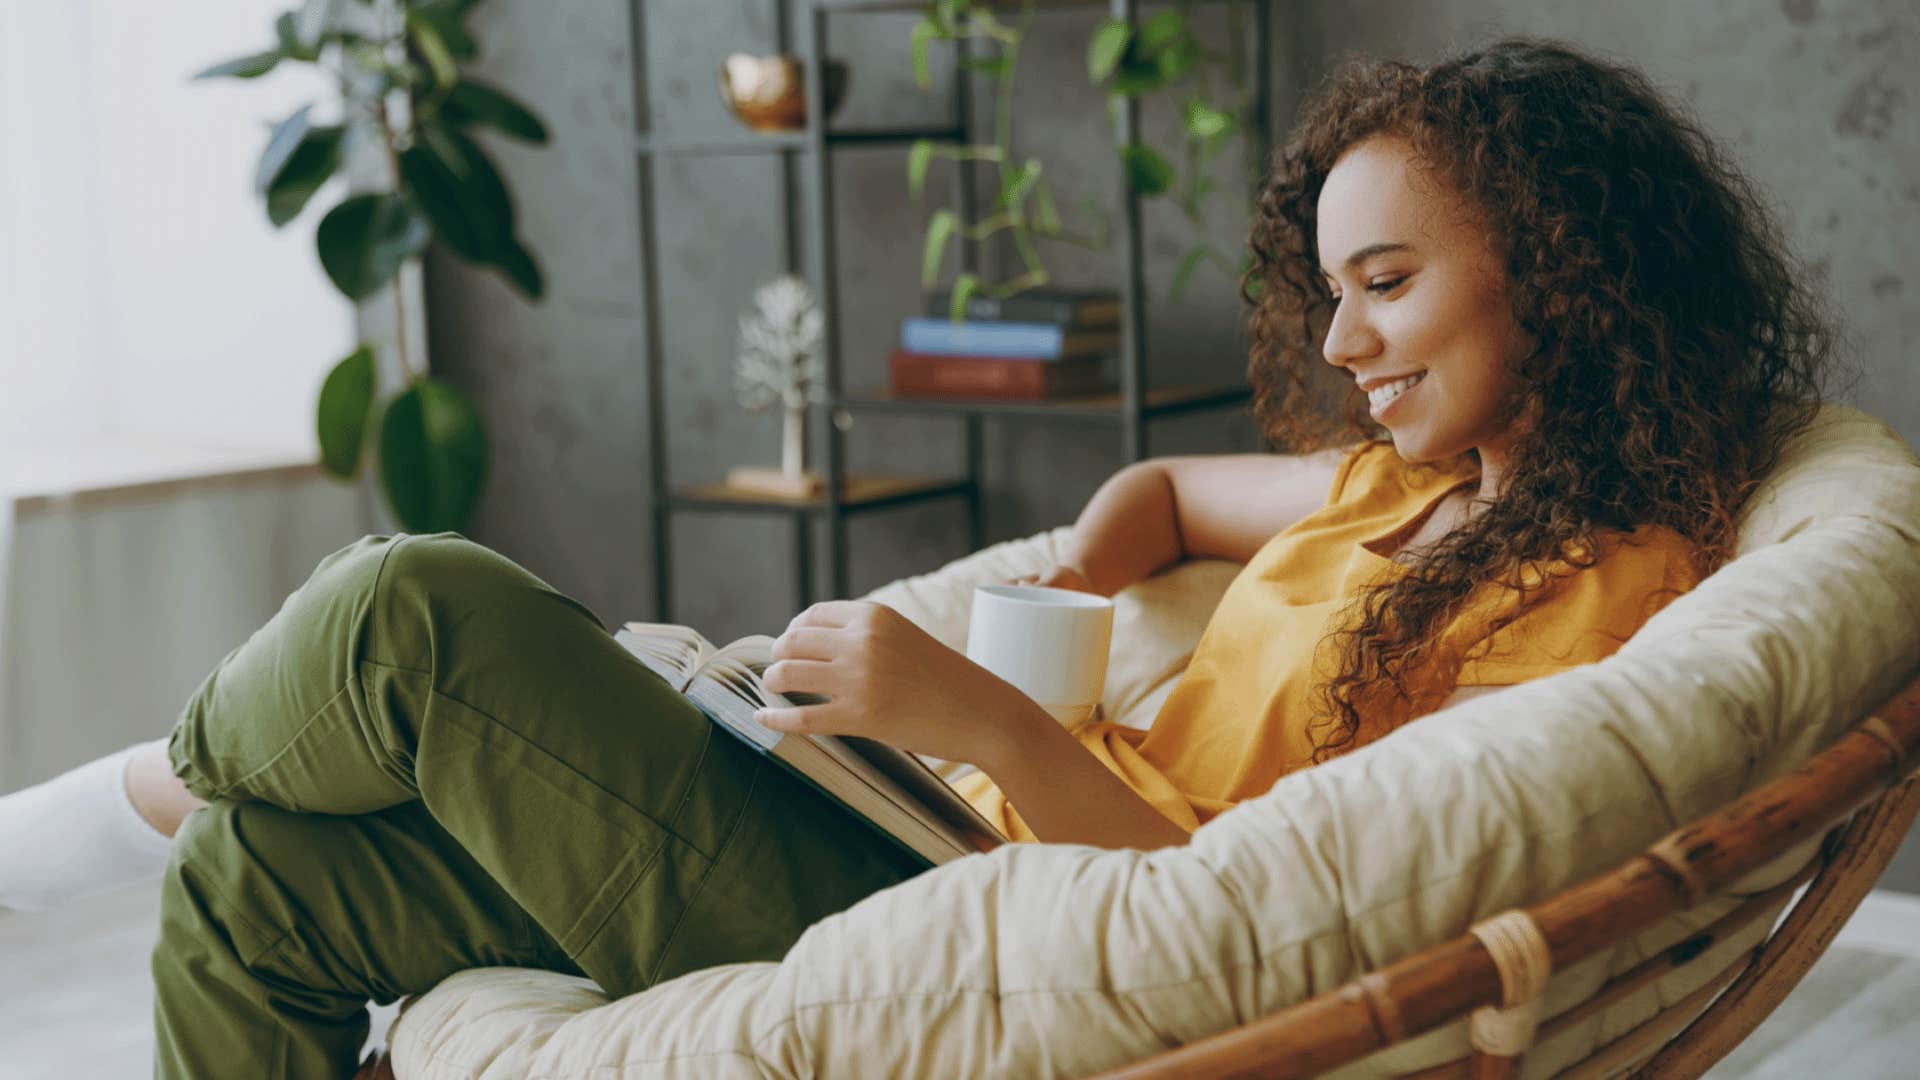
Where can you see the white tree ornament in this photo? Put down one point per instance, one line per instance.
(780, 364)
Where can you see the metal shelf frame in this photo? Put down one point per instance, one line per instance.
(811, 148)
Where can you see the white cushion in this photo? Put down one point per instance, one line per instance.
(1059, 960)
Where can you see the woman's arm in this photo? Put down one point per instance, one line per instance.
(1155, 513)
(889, 680)
(1063, 793)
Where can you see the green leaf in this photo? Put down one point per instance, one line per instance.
(457, 188)
(918, 156)
(523, 272)
(310, 166)
(923, 33)
(1204, 121)
(243, 67)
(1147, 171)
(1105, 47)
(940, 228)
(1177, 59)
(1046, 216)
(433, 457)
(293, 43)
(1137, 77)
(446, 21)
(280, 146)
(964, 287)
(345, 400)
(950, 12)
(365, 239)
(1162, 30)
(995, 66)
(1016, 184)
(433, 49)
(471, 102)
(1184, 272)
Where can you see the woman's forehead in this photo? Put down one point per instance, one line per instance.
(1378, 193)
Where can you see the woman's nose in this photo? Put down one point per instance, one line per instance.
(1349, 337)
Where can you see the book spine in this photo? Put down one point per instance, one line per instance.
(914, 375)
(1004, 340)
(1054, 311)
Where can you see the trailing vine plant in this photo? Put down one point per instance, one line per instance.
(399, 91)
(1162, 55)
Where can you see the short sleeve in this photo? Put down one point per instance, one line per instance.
(1581, 617)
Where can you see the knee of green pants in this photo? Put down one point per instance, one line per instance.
(222, 994)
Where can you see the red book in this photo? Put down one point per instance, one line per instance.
(924, 375)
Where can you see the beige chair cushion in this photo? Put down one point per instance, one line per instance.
(1060, 960)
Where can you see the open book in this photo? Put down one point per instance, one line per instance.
(890, 788)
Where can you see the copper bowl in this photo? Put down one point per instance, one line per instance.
(769, 93)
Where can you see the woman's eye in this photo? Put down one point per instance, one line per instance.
(1385, 286)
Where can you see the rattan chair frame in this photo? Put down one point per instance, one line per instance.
(1862, 791)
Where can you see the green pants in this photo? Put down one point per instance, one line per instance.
(428, 761)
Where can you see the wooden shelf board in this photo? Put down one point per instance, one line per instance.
(859, 491)
(1109, 405)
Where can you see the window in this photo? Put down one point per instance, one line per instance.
(143, 295)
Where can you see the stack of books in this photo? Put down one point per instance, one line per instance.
(1038, 344)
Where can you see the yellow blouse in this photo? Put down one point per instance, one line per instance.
(1238, 718)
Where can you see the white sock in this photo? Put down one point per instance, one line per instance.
(76, 835)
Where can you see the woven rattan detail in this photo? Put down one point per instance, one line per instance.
(1673, 860)
(1525, 963)
(1378, 995)
(1880, 730)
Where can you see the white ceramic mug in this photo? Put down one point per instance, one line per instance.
(1049, 643)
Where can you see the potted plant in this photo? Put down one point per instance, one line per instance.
(401, 101)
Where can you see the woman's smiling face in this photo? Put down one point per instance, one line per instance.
(1419, 294)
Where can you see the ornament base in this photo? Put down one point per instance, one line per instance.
(765, 480)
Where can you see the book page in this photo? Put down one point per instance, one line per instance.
(674, 652)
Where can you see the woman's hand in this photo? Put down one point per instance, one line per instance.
(1058, 576)
(892, 682)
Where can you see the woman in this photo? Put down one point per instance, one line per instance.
(1568, 315)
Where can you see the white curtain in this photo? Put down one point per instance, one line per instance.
(152, 324)
(141, 288)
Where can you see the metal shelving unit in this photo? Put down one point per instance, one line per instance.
(1131, 408)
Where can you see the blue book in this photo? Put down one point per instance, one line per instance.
(1003, 340)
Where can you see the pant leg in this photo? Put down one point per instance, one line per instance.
(646, 842)
(277, 927)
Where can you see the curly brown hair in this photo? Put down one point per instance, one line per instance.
(1677, 349)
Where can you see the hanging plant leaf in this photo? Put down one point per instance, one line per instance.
(364, 240)
(964, 287)
(940, 228)
(242, 67)
(1184, 272)
(1046, 216)
(918, 158)
(994, 66)
(460, 192)
(470, 102)
(1016, 185)
(1162, 29)
(433, 457)
(922, 34)
(1206, 122)
(1177, 59)
(1147, 171)
(346, 397)
(1105, 47)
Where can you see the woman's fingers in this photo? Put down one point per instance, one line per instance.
(800, 677)
(806, 643)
